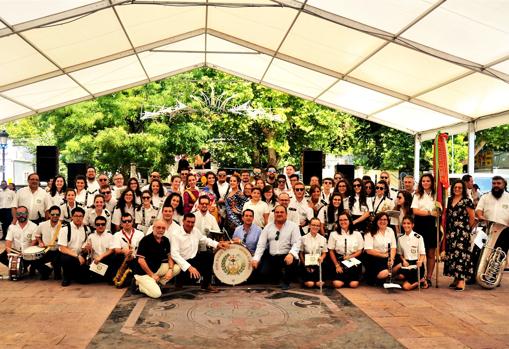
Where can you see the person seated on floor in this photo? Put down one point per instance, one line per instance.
(99, 247)
(154, 266)
(125, 244)
(19, 237)
(412, 253)
(70, 241)
(281, 239)
(184, 251)
(313, 246)
(380, 247)
(345, 247)
(46, 236)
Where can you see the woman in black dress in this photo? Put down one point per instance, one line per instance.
(460, 219)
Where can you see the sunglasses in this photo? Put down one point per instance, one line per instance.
(277, 235)
(357, 185)
(384, 177)
(221, 175)
(100, 224)
(327, 182)
(127, 221)
(54, 214)
(146, 197)
(103, 179)
(281, 181)
(299, 189)
(19, 214)
(368, 187)
(106, 192)
(380, 188)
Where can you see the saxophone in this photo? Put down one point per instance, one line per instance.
(492, 260)
(122, 272)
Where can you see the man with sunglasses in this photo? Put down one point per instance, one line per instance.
(126, 241)
(300, 206)
(46, 237)
(71, 240)
(270, 176)
(326, 190)
(280, 259)
(99, 246)
(109, 201)
(205, 222)
(281, 186)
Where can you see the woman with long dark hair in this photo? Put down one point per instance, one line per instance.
(269, 197)
(357, 206)
(234, 203)
(134, 185)
(156, 190)
(344, 244)
(329, 214)
(175, 200)
(425, 212)
(125, 204)
(379, 257)
(58, 189)
(460, 220)
(403, 205)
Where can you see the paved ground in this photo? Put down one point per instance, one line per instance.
(43, 314)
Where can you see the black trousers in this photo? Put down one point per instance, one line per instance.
(73, 270)
(203, 262)
(274, 268)
(110, 272)
(6, 219)
(52, 257)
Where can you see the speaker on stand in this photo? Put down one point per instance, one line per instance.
(312, 165)
(47, 162)
(74, 169)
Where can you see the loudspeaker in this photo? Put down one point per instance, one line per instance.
(348, 171)
(312, 165)
(74, 169)
(47, 162)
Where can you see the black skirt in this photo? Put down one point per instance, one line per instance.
(348, 275)
(411, 274)
(426, 227)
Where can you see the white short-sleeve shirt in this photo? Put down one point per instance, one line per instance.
(380, 241)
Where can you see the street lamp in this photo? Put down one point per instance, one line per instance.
(4, 137)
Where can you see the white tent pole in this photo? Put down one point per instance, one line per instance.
(471, 147)
(417, 156)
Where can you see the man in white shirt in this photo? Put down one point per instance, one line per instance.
(92, 185)
(71, 240)
(184, 251)
(283, 241)
(118, 185)
(205, 221)
(6, 198)
(109, 201)
(223, 187)
(36, 199)
(300, 205)
(172, 227)
(99, 245)
(46, 236)
(494, 207)
(284, 200)
(154, 176)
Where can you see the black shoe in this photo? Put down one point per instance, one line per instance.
(428, 281)
(44, 277)
(134, 288)
(66, 283)
(57, 276)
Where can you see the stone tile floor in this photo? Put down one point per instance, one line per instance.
(43, 314)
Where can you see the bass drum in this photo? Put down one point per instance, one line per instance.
(232, 266)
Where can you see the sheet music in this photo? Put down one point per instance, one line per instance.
(351, 262)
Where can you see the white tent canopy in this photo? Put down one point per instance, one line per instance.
(415, 65)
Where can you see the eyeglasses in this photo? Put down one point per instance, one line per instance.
(357, 185)
(299, 189)
(380, 188)
(54, 214)
(127, 221)
(145, 197)
(277, 235)
(21, 214)
(100, 224)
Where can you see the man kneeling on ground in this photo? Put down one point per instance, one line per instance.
(155, 266)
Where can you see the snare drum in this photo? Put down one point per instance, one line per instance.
(33, 253)
(15, 266)
(232, 266)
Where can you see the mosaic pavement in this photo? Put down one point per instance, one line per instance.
(241, 317)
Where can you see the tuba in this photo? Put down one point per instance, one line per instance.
(492, 260)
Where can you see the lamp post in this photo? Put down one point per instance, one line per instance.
(4, 137)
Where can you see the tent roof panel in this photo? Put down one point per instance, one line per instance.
(9, 109)
(476, 30)
(310, 40)
(140, 21)
(406, 71)
(15, 53)
(388, 15)
(353, 97)
(20, 11)
(474, 95)
(47, 93)
(93, 36)
(415, 117)
(259, 25)
(106, 76)
(502, 66)
(296, 78)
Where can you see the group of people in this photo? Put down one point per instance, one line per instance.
(332, 230)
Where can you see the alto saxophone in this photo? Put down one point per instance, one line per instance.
(123, 272)
(492, 260)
